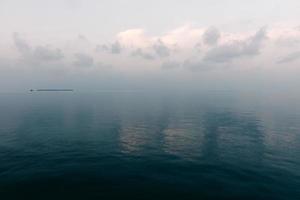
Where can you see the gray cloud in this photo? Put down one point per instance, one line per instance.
(21, 44)
(140, 53)
(45, 53)
(114, 48)
(37, 54)
(161, 49)
(211, 36)
(236, 49)
(83, 60)
(290, 58)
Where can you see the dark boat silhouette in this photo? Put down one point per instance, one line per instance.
(52, 90)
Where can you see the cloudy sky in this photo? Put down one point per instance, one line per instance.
(139, 44)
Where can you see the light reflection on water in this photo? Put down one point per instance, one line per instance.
(207, 145)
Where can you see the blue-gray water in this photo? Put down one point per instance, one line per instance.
(135, 145)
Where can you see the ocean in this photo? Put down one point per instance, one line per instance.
(149, 145)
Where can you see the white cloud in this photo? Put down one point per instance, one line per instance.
(134, 38)
(183, 37)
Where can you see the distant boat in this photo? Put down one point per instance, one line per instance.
(52, 90)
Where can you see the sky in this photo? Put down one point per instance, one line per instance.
(157, 44)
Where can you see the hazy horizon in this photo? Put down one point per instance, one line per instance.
(125, 45)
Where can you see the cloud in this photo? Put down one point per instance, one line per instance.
(134, 38)
(211, 36)
(45, 53)
(229, 51)
(114, 48)
(290, 58)
(184, 36)
(38, 55)
(140, 53)
(285, 36)
(83, 60)
(21, 44)
(161, 49)
(187, 48)
(158, 50)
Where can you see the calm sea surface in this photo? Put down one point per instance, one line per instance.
(137, 145)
